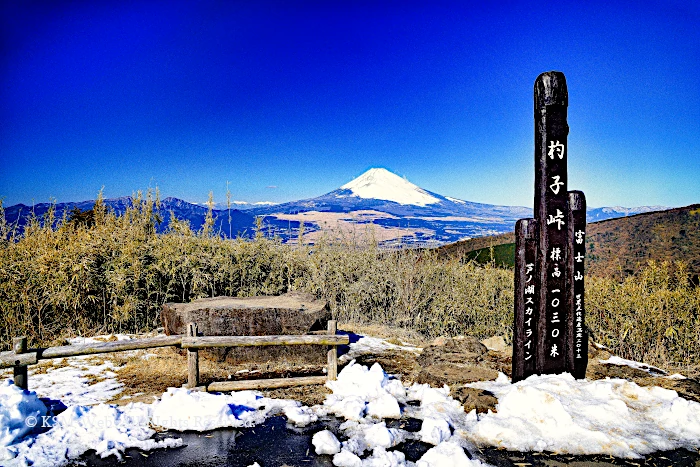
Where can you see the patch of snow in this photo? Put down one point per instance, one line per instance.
(110, 429)
(180, 409)
(447, 453)
(552, 412)
(300, 415)
(384, 185)
(81, 382)
(246, 203)
(99, 339)
(561, 414)
(455, 200)
(374, 345)
(652, 370)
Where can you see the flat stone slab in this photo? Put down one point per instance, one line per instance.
(294, 313)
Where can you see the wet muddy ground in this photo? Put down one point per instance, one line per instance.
(452, 361)
(277, 444)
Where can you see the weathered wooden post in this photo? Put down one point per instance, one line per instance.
(192, 359)
(551, 199)
(332, 352)
(526, 300)
(557, 251)
(19, 346)
(577, 333)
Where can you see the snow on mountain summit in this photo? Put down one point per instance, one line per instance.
(384, 185)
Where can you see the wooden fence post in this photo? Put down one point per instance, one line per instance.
(19, 346)
(332, 353)
(192, 359)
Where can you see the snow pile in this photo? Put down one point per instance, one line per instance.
(542, 413)
(611, 416)
(365, 397)
(109, 429)
(359, 392)
(16, 407)
(181, 409)
(325, 442)
(382, 184)
(300, 415)
(440, 413)
(447, 453)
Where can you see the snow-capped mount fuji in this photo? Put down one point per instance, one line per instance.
(381, 190)
(384, 185)
(387, 201)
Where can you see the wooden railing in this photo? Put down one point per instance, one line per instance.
(20, 357)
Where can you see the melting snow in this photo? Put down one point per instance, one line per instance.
(561, 414)
(553, 413)
(374, 345)
(652, 370)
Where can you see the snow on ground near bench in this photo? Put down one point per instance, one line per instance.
(83, 380)
(553, 413)
(375, 345)
(110, 429)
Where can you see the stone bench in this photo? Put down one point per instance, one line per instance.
(294, 313)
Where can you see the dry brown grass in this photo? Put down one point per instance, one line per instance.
(60, 279)
(148, 374)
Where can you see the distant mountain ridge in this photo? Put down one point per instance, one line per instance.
(241, 224)
(601, 214)
(398, 211)
(618, 247)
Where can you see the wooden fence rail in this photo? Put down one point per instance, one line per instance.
(20, 356)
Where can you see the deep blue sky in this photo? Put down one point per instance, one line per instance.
(288, 100)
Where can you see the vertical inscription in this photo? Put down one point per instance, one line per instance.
(526, 300)
(551, 203)
(549, 333)
(578, 335)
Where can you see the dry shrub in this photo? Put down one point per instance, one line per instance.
(653, 316)
(61, 278)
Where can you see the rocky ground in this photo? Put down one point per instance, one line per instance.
(451, 361)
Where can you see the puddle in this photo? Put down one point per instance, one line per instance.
(274, 443)
(269, 444)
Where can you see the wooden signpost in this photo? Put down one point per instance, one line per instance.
(549, 333)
